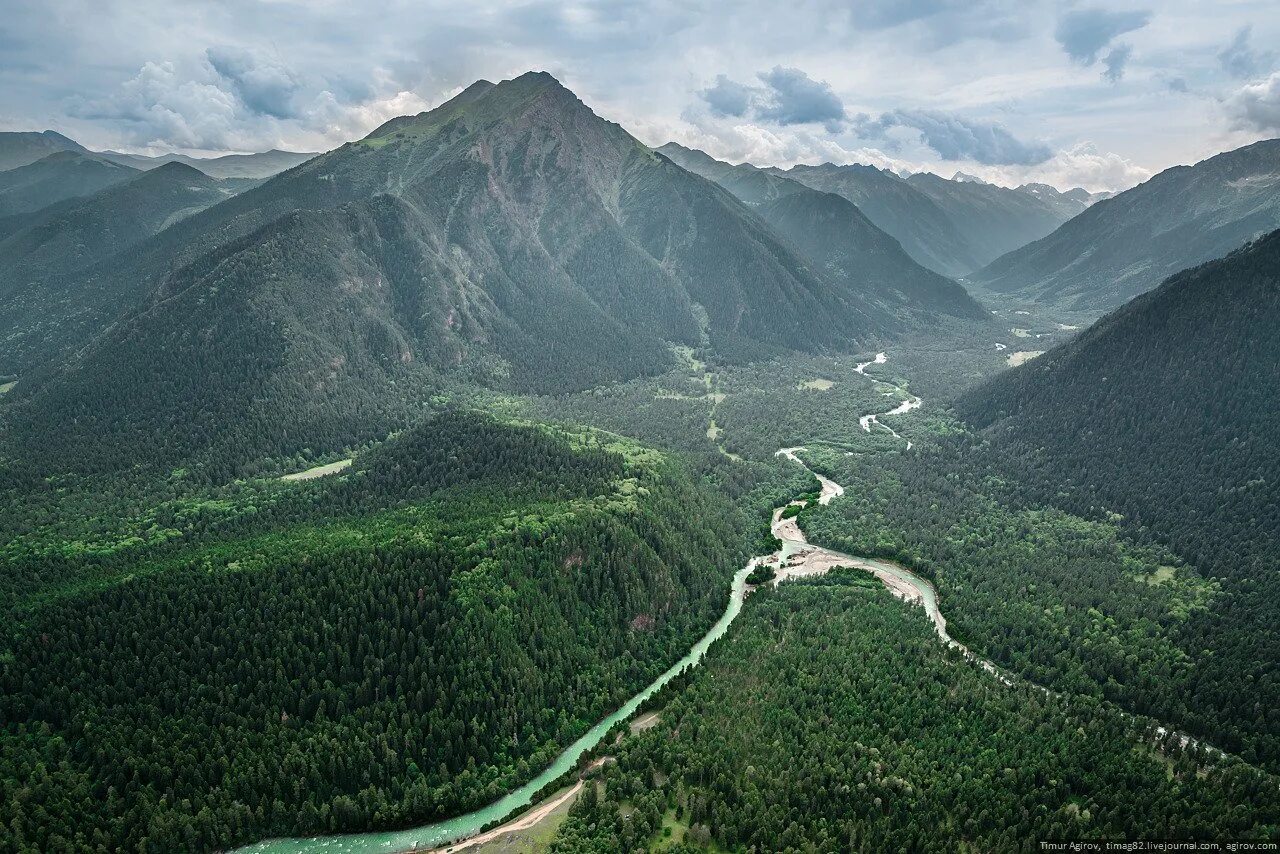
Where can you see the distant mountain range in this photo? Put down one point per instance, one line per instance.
(21, 148)
(59, 176)
(1128, 244)
(18, 148)
(509, 237)
(833, 235)
(260, 165)
(952, 226)
(51, 301)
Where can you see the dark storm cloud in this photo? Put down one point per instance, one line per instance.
(1114, 62)
(1240, 59)
(264, 84)
(1085, 33)
(956, 138)
(794, 98)
(787, 96)
(728, 98)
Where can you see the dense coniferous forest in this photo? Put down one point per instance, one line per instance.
(401, 644)
(1163, 416)
(830, 718)
(1076, 604)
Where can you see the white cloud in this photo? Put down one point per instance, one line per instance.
(1256, 106)
(238, 102)
(160, 107)
(243, 74)
(333, 120)
(955, 137)
(1082, 165)
(772, 146)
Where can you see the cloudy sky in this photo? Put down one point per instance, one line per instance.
(1072, 93)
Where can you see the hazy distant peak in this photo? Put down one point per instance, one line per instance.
(72, 156)
(966, 178)
(60, 138)
(177, 169)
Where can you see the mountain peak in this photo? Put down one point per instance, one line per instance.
(67, 141)
(542, 78)
(475, 90)
(178, 169)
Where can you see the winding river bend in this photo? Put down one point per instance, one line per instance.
(796, 558)
(909, 403)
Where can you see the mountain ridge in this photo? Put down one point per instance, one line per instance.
(1162, 416)
(1129, 243)
(58, 176)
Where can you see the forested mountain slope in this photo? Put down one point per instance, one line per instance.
(1164, 413)
(383, 648)
(77, 232)
(951, 226)
(62, 175)
(1128, 244)
(18, 148)
(834, 236)
(509, 237)
(749, 183)
(908, 215)
(49, 305)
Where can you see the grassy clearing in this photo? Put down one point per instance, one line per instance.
(1160, 576)
(319, 471)
(1023, 356)
(5, 388)
(675, 831)
(816, 385)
